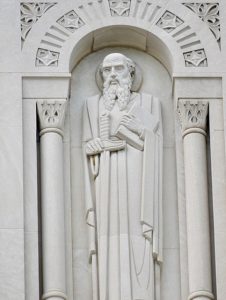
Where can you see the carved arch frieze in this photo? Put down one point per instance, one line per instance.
(147, 14)
(186, 39)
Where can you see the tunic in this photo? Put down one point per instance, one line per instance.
(124, 202)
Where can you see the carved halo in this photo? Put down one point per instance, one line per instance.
(137, 81)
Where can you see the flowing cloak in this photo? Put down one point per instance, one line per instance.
(99, 172)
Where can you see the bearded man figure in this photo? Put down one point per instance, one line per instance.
(122, 142)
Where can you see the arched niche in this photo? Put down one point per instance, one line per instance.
(124, 36)
(156, 81)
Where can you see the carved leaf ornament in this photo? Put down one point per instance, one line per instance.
(209, 13)
(29, 15)
(192, 114)
(51, 114)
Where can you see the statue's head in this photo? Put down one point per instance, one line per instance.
(118, 73)
(116, 67)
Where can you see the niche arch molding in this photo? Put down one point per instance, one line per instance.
(147, 27)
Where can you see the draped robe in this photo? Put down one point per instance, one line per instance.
(123, 191)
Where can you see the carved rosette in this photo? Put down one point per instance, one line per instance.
(193, 115)
(120, 7)
(51, 116)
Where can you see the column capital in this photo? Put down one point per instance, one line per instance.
(51, 116)
(193, 115)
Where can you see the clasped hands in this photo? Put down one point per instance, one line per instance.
(132, 123)
(97, 145)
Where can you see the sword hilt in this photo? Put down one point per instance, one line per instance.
(105, 126)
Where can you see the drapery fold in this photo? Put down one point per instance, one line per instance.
(101, 192)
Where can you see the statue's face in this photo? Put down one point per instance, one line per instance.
(117, 81)
(115, 69)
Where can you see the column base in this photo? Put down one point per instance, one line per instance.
(54, 295)
(201, 295)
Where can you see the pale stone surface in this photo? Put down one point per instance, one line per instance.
(181, 212)
(12, 264)
(170, 278)
(10, 60)
(31, 203)
(20, 78)
(32, 279)
(170, 211)
(193, 116)
(56, 87)
(30, 165)
(52, 117)
(68, 210)
(219, 191)
(11, 199)
(12, 284)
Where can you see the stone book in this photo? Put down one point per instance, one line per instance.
(130, 137)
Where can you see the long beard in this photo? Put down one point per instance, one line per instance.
(119, 92)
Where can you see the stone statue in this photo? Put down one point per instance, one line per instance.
(122, 142)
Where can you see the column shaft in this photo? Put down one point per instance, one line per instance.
(198, 236)
(193, 116)
(51, 116)
(53, 227)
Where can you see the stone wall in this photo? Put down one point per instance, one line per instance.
(50, 51)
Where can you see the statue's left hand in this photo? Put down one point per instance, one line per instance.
(133, 124)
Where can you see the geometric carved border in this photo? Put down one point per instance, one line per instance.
(146, 10)
(186, 39)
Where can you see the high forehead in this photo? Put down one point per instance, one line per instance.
(114, 59)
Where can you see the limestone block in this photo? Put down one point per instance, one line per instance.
(12, 264)
(171, 277)
(32, 275)
(170, 206)
(11, 177)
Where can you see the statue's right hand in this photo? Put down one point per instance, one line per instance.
(94, 146)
